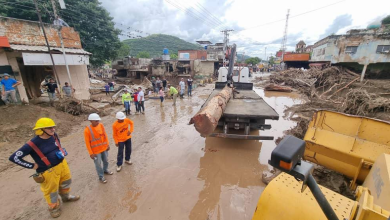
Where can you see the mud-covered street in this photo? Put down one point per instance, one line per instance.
(176, 174)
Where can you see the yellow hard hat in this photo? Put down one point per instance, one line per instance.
(44, 123)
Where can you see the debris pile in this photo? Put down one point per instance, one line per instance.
(336, 89)
(76, 107)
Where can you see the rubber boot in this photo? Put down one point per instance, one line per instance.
(56, 211)
(69, 198)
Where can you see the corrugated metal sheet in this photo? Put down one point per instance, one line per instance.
(44, 49)
(4, 41)
(296, 57)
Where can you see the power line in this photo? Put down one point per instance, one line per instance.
(190, 13)
(199, 14)
(272, 22)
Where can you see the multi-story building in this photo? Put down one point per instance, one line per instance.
(358, 49)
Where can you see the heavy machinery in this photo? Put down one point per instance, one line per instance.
(246, 110)
(346, 143)
(286, 196)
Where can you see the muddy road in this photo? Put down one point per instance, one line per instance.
(176, 174)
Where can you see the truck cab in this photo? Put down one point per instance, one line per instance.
(240, 74)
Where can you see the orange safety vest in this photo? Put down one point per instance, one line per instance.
(98, 145)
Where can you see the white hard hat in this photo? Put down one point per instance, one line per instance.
(120, 115)
(94, 117)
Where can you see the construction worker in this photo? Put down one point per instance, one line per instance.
(52, 171)
(122, 137)
(97, 144)
(126, 101)
(173, 92)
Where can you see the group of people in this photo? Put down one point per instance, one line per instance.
(9, 85)
(138, 97)
(52, 170)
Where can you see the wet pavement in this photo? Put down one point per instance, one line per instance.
(176, 174)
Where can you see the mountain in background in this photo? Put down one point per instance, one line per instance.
(155, 43)
(240, 57)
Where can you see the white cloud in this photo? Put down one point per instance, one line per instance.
(160, 16)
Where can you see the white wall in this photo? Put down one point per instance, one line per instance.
(80, 79)
(3, 58)
(15, 68)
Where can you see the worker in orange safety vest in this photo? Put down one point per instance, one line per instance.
(96, 140)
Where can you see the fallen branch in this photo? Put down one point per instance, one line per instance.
(344, 87)
(329, 90)
(352, 73)
(273, 87)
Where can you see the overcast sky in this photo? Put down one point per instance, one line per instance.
(257, 24)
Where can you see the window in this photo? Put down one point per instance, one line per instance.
(351, 49)
(383, 49)
(120, 62)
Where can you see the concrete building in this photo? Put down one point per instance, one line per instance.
(215, 52)
(186, 55)
(361, 50)
(25, 57)
(300, 47)
(132, 67)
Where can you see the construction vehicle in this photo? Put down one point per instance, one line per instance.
(246, 110)
(350, 147)
(286, 196)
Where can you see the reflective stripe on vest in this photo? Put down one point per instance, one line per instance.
(95, 139)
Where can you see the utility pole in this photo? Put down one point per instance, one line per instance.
(62, 46)
(225, 39)
(47, 43)
(225, 42)
(265, 53)
(284, 41)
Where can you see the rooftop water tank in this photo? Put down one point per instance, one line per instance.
(165, 51)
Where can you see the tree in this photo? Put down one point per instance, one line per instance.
(143, 54)
(271, 60)
(253, 60)
(124, 50)
(173, 56)
(386, 20)
(97, 32)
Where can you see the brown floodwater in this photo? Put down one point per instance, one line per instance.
(176, 174)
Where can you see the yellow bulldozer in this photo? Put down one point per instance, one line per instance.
(355, 146)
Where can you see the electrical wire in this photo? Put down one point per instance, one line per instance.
(292, 16)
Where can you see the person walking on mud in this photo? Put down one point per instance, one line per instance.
(121, 131)
(182, 87)
(189, 84)
(126, 101)
(161, 94)
(52, 171)
(52, 88)
(107, 88)
(158, 85)
(173, 92)
(164, 83)
(96, 141)
(141, 100)
(135, 98)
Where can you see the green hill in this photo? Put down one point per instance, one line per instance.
(154, 45)
(240, 58)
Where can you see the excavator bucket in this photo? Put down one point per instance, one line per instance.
(345, 143)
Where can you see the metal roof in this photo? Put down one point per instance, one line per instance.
(203, 42)
(44, 49)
